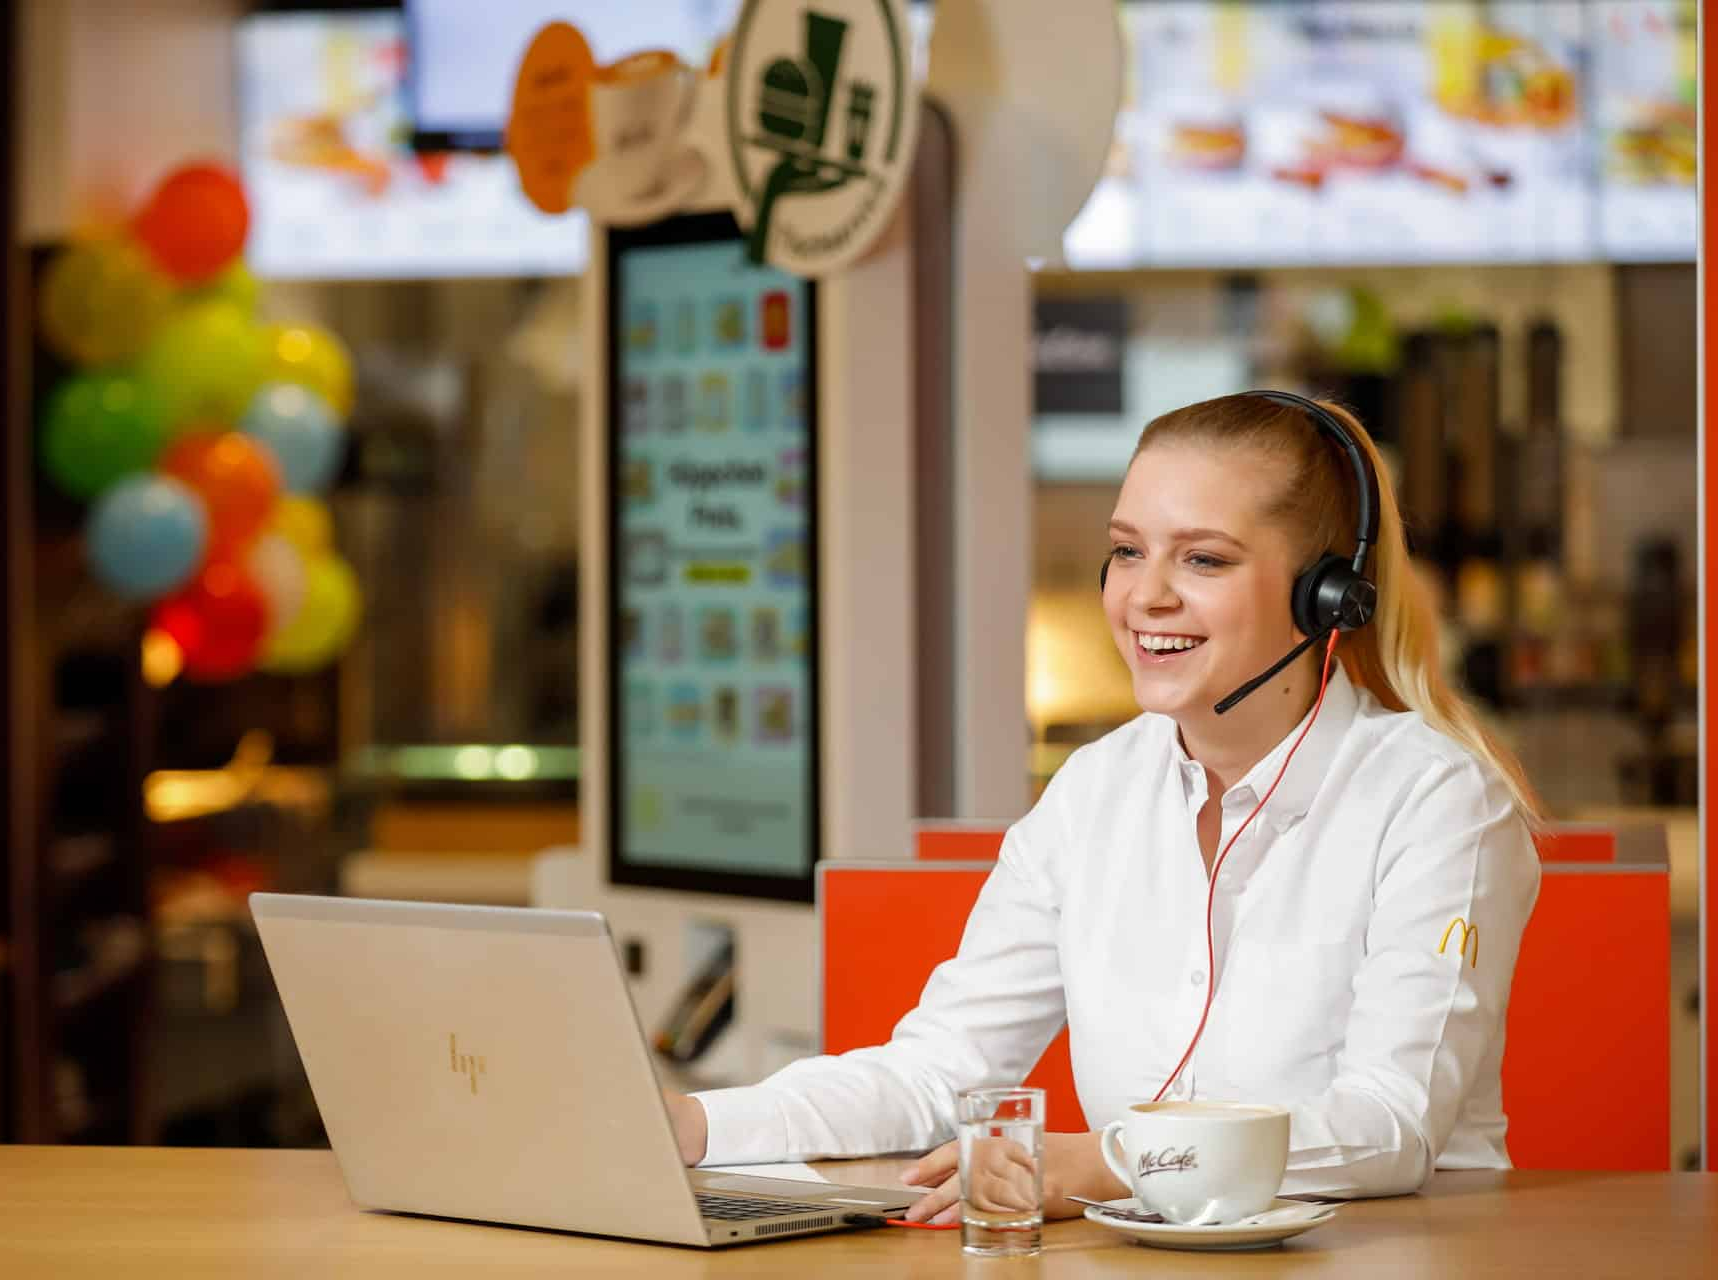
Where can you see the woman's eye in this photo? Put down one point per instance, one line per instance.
(1121, 551)
(1199, 560)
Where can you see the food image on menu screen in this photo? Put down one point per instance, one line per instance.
(1398, 131)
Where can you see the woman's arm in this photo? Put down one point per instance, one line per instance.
(984, 1018)
(691, 1126)
(1455, 885)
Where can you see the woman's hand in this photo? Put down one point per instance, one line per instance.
(1002, 1176)
(691, 1125)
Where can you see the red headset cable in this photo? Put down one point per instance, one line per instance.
(1210, 900)
(1217, 866)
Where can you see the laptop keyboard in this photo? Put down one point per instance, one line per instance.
(738, 1209)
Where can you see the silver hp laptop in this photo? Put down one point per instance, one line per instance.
(486, 1063)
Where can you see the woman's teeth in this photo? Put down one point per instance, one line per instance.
(1167, 644)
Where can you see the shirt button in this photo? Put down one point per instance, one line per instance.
(1198, 977)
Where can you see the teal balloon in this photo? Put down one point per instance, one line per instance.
(146, 536)
(97, 427)
(301, 429)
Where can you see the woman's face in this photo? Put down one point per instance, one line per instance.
(1199, 580)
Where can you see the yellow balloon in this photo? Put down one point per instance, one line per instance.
(325, 622)
(102, 301)
(204, 363)
(305, 523)
(235, 285)
(314, 358)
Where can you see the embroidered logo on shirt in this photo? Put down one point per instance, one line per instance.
(1467, 931)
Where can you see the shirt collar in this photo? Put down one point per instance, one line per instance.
(1300, 784)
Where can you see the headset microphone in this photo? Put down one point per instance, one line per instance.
(1256, 681)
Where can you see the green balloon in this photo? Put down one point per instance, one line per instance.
(205, 363)
(98, 427)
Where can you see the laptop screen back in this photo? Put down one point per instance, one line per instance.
(476, 1063)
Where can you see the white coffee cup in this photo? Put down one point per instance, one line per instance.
(639, 109)
(1200, 1162)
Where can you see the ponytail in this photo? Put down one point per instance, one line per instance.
(1395, 657)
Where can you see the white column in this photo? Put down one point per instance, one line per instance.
(865, 446)
(992, 318)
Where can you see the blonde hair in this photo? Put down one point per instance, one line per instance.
(1395, 656)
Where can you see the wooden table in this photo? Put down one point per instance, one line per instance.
(146, 1212)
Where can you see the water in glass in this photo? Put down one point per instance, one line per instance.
(1002, 1185)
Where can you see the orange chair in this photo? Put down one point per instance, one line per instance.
(1586, 1070)
(873, 975)
(955, 841)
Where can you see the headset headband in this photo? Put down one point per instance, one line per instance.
(1366, 480)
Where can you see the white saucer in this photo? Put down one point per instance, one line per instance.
(684, 174)
(1168, 1235)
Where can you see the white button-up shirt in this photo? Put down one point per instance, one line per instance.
(1365, 929)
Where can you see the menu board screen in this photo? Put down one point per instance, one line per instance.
(713, 607)
(1357, 132)
(336, 192)
(1645, 68)
(1398, 131)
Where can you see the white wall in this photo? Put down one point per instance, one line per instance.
(115, 94)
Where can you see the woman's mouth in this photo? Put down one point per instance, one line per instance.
(1156, 648)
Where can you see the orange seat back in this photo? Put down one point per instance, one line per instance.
(885, 927)
(1586, 1070)
(957, 841)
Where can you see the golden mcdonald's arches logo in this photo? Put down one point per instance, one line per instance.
(1467, 931)
(469, 1065)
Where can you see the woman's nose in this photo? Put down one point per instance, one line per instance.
(1151, 588)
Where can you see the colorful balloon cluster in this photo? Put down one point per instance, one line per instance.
(202, 437)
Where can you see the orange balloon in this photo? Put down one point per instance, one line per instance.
(237, 478)
(194, 225)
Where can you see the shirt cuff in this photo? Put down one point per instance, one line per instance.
(745, 1126)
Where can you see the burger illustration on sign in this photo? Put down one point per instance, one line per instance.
(821, 120)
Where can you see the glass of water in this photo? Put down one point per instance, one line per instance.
(1001, 1171)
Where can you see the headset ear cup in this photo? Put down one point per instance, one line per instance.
(1103, 575)
(1331, 594)
(1314, 603)
(1359, 604)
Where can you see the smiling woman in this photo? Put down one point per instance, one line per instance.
(1232, 504)
(1278, 876)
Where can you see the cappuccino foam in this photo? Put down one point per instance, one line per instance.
(1206, 1110)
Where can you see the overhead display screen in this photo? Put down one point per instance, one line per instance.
(465, 54)
(336, 192)
(1398, 131)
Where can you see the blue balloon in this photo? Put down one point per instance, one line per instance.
(146, 536)
(303, 432)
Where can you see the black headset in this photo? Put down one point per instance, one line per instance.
(1333, 594)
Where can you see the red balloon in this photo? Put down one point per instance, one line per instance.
(219, 622)
(194, 225)
(237, 478)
